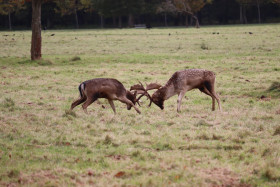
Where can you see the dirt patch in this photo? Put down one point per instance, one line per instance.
(117, 157)
(40, 178)
(264, 98)
(222, 177)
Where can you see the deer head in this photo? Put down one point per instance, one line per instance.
(132, 97)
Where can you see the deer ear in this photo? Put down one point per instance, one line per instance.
(135, 93)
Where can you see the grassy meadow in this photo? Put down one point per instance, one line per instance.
(43, 144)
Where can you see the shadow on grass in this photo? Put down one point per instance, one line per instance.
(42, 62)
(272, 92)
(274, 89)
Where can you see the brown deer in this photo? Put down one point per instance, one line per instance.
(180, 83)
(110, 89)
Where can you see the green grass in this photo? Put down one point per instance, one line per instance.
(42, 143)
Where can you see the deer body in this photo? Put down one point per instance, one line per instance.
(110, 89)
(183, 81)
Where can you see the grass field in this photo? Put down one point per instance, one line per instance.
(43, 144)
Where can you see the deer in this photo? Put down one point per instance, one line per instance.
(108, 88)
(179, 83)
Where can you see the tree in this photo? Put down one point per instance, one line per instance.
(36, 42)
(133, 8)
(190, 7)
(276, 1)
(36, 39)
(68, 7)
(245, 3)
(242, 10)
(258, 4)
(166, 7)
(106, 8)
(7, 7)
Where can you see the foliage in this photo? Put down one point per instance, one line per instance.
(166, 7)
(190, 6)
(66, 7)
(10, 6)
(276, 1)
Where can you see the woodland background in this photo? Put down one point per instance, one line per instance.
(17, 14)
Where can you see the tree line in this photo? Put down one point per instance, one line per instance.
(127, 13)
(113, 9)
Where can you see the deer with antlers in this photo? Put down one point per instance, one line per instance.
(110, 89)
(179, 83)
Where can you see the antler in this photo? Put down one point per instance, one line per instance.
(152, 86)
(140, 87)
(137, 87)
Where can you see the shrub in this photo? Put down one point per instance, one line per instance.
(76, 58)
(271, 174)
(204, 46)
(277, 131)
(8, 102)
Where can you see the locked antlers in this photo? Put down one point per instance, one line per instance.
(144, 91)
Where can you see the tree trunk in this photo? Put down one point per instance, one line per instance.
(120, 21)
(49, 23)
(244, 15)
(240, 14)
(165, 19)
(10, 21)
(187, 21)
(259, 10)
(196, 22)
(76, 18)
(130, 20)
(114, 21)
(102, 21)
(36, 42)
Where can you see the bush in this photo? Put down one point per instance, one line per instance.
(8, 102)
(76, 58)
(204, 46)
(277, 131)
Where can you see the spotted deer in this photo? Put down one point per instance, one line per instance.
(110, 89)
(179, 83)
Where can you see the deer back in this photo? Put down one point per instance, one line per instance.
(104, 87)
(191, 78)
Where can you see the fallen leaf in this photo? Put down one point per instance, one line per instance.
(120, 174)
(177, 177)
(67, 143)
(90, 172)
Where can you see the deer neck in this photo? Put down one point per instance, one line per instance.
(168, 91)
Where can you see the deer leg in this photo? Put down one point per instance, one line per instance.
(127, 101)
(88, 102)
(77, 102)
(112, 105)
(218, 100)
(179, 101)
(210, 88)
(204, 90)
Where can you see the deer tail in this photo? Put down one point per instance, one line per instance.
(82, 89)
